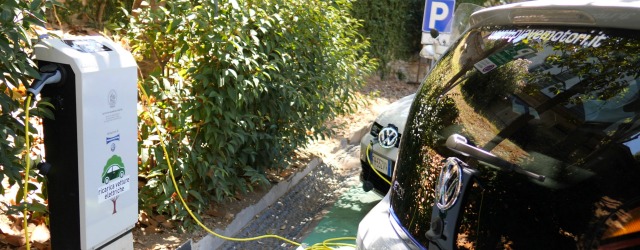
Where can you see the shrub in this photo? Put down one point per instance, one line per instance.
(238, 87)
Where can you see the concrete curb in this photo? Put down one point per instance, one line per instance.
(247, 214)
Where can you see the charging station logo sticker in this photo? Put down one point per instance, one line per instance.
(111, 140)
(112, 101)
(115, 180)
(112, 98)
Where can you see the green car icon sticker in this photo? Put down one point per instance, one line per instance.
(115, 181)
(113, 169)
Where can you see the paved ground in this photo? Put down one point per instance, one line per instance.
(294, 215)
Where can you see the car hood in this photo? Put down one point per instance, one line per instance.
(396, 113)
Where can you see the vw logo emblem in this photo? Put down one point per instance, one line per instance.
(388, 136)
(449, 183)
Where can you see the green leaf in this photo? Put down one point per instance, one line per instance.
(173, 25)
(196, 195)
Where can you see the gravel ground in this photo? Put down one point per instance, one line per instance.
(295, 213)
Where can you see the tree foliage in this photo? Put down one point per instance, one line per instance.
(98, 14)
(17, 18)
(393, 27)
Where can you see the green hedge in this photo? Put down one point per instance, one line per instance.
(394, 28)
(238, 87)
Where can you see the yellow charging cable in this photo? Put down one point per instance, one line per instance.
(371, 165)
(318, 246)
(175, 184)
(325, 244)
(330, 242)
(25, 222)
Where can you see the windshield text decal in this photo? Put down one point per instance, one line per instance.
(584, 39)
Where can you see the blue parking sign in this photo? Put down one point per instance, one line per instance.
(438, 15)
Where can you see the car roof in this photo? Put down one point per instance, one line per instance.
(610, 14)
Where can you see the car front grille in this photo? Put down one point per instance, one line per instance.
(376, 128)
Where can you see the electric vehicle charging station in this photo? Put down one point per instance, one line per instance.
(91, 145)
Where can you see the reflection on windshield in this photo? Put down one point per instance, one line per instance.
(561, 103)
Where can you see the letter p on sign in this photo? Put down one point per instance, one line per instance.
(438, 15)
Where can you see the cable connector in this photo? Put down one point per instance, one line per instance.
(374, 140)
(50, 74)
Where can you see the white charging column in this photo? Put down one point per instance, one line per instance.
(92, 143)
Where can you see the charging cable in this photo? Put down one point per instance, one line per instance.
(318, 246)
(371, 165)
(25, 222)
(46, 78)
(330, 242)
(184, 204)
(54, 75)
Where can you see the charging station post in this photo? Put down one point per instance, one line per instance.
(91, 144)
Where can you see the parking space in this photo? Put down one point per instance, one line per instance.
(343, 218)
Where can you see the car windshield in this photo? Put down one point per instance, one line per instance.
(556, 101)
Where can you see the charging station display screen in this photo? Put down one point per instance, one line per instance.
(87, 45)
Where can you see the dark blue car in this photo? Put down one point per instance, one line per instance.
(525, 135)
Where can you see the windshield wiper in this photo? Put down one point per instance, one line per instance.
(458, 143)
